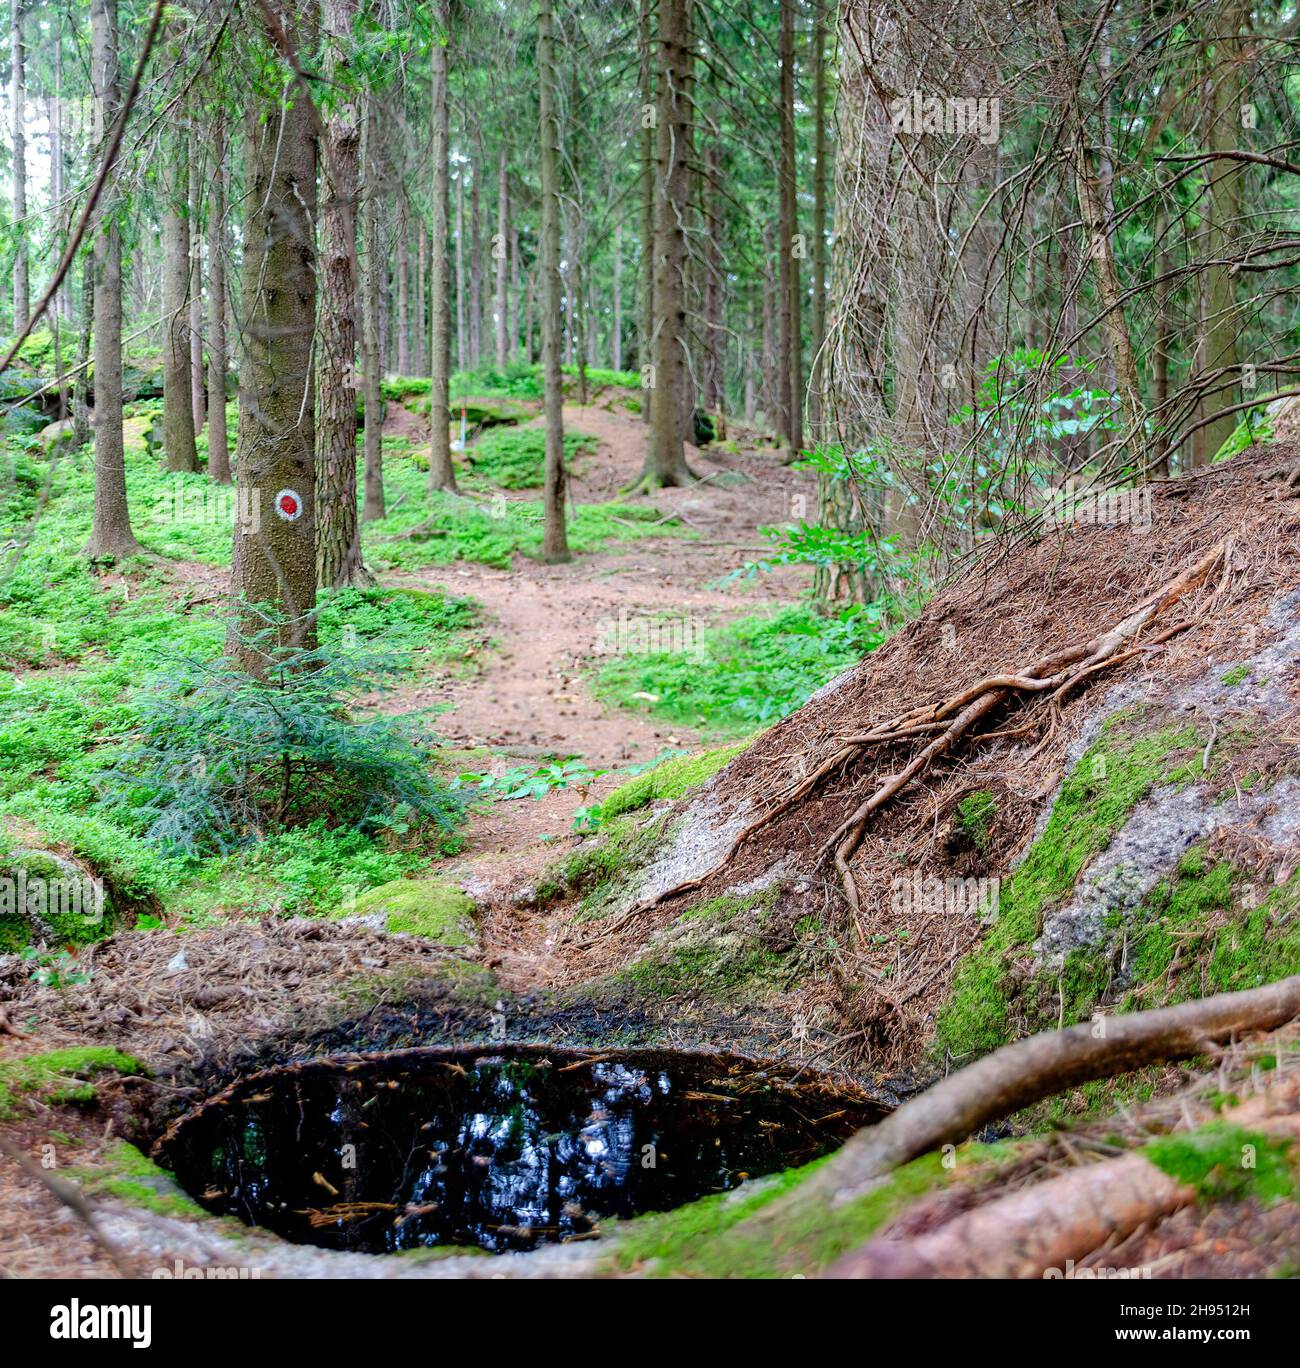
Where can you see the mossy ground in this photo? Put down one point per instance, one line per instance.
(60, 1076)
(713, 1238)
(670, 780)
(432, 908)
(1223, 1162)
(123, 1172)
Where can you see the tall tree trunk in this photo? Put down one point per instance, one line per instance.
(462, 336)
(790, 323)
(420, 359)
(645, 342)
(218, 440)
(81, 389)
(374, 278)
(616, 326)
(111, 534)
(338, 529)
(274, 561)
(819, 224)
(665, 462)
(514, 292)
(499, 251)
(555, 542)
(18, 118)
(178, 401)
(402, 267)
(1221, 322)
(197, 374)
(441, 473)
(476, 266)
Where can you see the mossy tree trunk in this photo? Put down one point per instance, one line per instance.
(178, 399)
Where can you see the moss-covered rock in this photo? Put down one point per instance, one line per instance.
(1093, 804)
(432, 908)
(47, 898)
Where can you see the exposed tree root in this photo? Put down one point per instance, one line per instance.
(1029, 1070)
(1047, 1225)
(952, 720)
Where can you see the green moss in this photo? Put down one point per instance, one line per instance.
(431, 908)
(716, 950)
(134, 1178)
(1093, 804)
(1237, 675)
(1225, 1163)
(714, 1238)
(975, 814)
(59, 894)
(668, 781)
(60, 1075)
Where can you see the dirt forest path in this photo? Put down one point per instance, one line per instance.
(530, 697)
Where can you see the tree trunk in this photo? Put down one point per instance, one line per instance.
(790, 323)
(555, 544)
(819, 226)
(17, 115)
(218, 440)
(420, 360)
(197, 373)
(373, 289)
(499, 251)
(111, 534)
(178, 402)
(665, 454)
(338, 530)
(441, 473)
(475, 268)
(645, 342)
(462, 338)
(616, 326)
(274, 561)
(403, 270)
(1221, 321)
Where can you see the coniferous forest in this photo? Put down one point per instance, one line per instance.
(649, 640)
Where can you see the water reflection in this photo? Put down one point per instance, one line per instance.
(503, 1151)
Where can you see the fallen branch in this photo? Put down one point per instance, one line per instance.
(1018, 1075)
(1042, 1228)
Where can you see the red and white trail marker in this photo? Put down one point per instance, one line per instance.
(288, 505)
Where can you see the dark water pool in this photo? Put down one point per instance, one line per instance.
(500, 1150)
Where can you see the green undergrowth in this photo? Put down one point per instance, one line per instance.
(515, 458)
(740, 676)
(440, 529)
(715, 1238)
(986, 1007)
(60, 1076)
(80, 648)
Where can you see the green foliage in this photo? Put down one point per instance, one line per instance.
(223, 757)
(975, 814)
(522, 782)
(744, 675)
(515, 458)
(667, 780)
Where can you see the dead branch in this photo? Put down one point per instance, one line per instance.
(1044, 1226)
(1051, 1062)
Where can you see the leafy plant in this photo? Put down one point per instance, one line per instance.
(222, 758)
